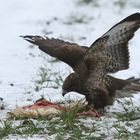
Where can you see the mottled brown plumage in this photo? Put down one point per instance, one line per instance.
(91, 66)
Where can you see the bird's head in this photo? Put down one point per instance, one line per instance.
(71, 83)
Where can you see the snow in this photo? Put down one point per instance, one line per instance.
(20, 63)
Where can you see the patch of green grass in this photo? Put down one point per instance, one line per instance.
(43, 76)
(122, 132)
(126, 125)
(67, 126)
(58, 80)
(70, 126)
(59, 137)
(120, 3)
(5, 128)
(77, 19)
(9, 127)
(94, 3)
(136, 4)
(123, 3)
(125, 133)
(69, 118)
(47, 79)
(130, 111)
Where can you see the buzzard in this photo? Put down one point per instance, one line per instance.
(92, 65)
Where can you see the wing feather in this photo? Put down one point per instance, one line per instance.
(67, 52)
(116, 47)
(97, 61)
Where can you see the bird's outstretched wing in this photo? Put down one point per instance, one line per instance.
(97, 61)
(116, 46)
(69, 53)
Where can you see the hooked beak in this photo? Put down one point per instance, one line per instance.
(64, 92)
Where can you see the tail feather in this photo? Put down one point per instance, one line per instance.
(132, 86)
(133, 79)
(130, 89)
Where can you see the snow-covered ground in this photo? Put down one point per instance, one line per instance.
(20, 63)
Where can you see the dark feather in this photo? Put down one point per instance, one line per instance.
(117, 45)
(67, 52)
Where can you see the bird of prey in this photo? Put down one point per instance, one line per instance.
(92, 65)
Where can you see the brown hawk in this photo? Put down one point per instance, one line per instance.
(91, 66)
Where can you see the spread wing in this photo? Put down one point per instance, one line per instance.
(69, 53)
(97, 61)
(116, 46)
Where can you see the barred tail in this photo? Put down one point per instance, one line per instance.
(132, 86)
